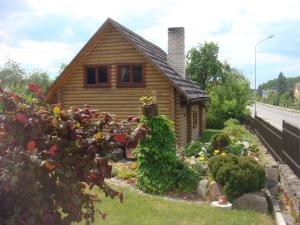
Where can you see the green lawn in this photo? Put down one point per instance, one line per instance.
(141, 209)
(207, 134)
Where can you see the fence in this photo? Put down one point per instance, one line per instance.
(283, 145)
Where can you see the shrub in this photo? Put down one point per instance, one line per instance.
(231, 122)
(193, 149)
(159, 170)
(220, 140)
(238, 175)
(49, 156)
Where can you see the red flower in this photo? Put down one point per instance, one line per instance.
(21, 118)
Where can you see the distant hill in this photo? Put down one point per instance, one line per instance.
(272, 84)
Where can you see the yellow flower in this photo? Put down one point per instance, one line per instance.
(223, 153)
(216, 151)
(77, 125)
(201, 158)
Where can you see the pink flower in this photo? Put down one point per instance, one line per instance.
(34, 88)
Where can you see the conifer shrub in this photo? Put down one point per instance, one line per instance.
(237, 174)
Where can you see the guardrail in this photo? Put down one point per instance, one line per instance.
(283, 145)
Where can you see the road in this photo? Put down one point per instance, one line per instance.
(275, 116)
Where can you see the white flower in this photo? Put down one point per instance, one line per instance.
(246, 144)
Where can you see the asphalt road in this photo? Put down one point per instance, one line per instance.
(275, 116)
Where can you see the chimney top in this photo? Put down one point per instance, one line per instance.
(176, 49)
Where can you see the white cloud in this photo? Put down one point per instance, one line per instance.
(47, 55)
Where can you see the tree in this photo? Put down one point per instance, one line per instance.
(61, 68)
(229, 100)
(41, 79)
(203, 65)
(12, 73)
(281, 84)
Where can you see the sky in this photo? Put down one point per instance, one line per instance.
(43, 34)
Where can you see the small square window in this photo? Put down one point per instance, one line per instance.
(91, 76)
(96, 76)
(131, 75)
(102, 74)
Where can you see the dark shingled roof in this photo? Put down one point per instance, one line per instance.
(158, 57)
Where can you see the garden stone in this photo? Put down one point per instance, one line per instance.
(202, 189)
(214, 191)
(117, 154)
(255, 201)
(272, 173)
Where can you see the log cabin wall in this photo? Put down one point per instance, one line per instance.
(180, 121)
(110, 50)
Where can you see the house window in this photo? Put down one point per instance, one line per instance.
(195, 119)
(96, 76)
(131, 75)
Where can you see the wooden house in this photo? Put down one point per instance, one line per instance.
(116, 67)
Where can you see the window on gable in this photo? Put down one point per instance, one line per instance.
(96, 76)
(131, 75)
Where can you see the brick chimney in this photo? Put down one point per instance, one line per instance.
(176, 50)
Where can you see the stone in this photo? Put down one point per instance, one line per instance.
(272, 173)
(117, 154)
(214, 191)
(252, 201)
(202, 189)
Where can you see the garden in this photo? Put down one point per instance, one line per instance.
(57, 167)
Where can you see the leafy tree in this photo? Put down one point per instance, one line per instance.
(229, 100)
(61, 68)
(203, 65)
(12, 73)
(281, 84)
(41, 79)
(273, 98)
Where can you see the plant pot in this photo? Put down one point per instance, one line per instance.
(222, 200)
(120, 137)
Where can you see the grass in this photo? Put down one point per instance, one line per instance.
(142, 209)
(208, 133)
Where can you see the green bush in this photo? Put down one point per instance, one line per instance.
(193, 149)
(231, 122)
(238, 175)
(159, 169)
(220, 140)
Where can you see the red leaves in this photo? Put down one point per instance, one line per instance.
(31, 146)
(20, 117)
(35, 89)
(52, 151)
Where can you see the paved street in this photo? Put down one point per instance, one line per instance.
(275, 116)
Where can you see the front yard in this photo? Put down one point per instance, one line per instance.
(140, 209)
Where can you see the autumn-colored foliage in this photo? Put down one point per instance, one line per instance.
(50, 156)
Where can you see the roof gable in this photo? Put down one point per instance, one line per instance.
(151, 52)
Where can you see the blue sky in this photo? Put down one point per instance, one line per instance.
(43, 34)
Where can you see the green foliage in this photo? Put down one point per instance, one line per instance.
(203, 65)
(229, 100)
(41, 79)
(159, 169)
(238, 175)
(281, 84)
(11, 72)
(193, 148)
(231, 122)
(220, 141)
